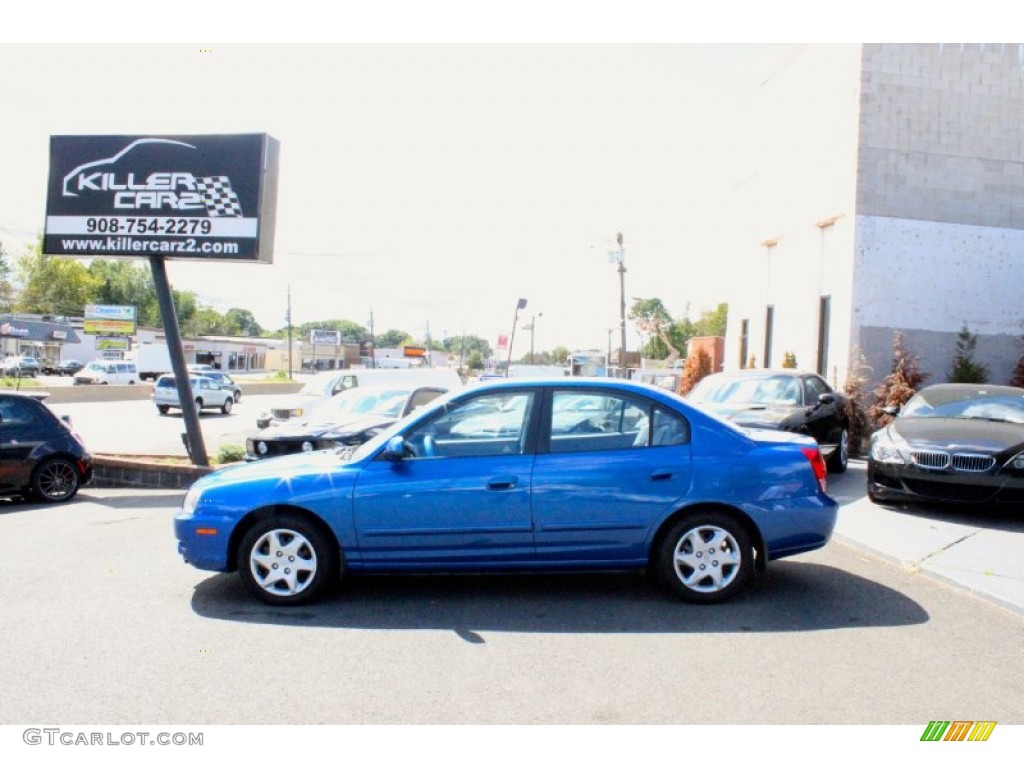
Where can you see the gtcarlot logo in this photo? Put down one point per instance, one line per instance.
(59, 737)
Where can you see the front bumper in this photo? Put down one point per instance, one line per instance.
(902, 483)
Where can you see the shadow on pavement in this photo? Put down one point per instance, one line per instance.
(791, 597)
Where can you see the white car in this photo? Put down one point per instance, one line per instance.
(207, 394)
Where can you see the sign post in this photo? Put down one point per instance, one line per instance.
(207, 198)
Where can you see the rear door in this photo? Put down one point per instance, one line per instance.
(609, 465)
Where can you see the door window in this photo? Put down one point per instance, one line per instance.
(605, 422)
(488, 425)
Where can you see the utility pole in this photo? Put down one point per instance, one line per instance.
(373, 343)
(619, 257)
(288, 322)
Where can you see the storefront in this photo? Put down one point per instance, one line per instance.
(42, 339)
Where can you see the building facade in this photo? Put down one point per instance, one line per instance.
(886, 194)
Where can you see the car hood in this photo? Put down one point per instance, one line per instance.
(753, 415)
(966, 434)
(279, 468)
(290, 431)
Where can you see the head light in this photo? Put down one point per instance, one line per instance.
(889, 448)
(191, 500)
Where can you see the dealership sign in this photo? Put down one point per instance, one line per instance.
(210, 198)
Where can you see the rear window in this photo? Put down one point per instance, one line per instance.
(166, 381)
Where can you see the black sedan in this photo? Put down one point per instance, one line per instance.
(788, 400)
(952, 443)
(349, 418)
(40, 456)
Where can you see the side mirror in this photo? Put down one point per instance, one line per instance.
(827, 398)
(891, 410)
(395, 449)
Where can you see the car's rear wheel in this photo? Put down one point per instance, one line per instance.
(163, 409)
(285, 560)
(226, 408)
(55, 480)
(706, 557)
(840, 457)
(199, 406)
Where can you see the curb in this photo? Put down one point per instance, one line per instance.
(144, 472)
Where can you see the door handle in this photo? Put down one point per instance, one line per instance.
(662, 474)
(502, 483)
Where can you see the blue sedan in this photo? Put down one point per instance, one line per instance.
(570, 474)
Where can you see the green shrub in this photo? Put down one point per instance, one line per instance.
(228, 454)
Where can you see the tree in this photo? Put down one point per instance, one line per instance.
(465, 346)
(654, 320)
(900, 385)
(53, 285)
(241, 322)
(696, 367)
(124, 283)
(712, 322)
(560, 355)
(6, 288)
(391, 339)
(859, 424)
(965, 369)
(1018, 373)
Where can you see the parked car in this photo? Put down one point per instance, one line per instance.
(349, 418)
(663, 484)
(21, 366)
(40, 455)
(226, 382)
(324, 386)
(68, 367)
(952, 443)
(788, 400)
(108, 372)
(208, 394)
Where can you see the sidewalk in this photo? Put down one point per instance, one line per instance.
(981, 552)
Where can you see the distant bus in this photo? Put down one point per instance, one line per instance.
(588, 363)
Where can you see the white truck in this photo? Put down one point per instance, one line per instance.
(152, 361)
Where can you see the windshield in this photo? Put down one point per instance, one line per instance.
(982, 403)
(359, 401)
(763, 389)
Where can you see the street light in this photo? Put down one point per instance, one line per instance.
(521, 304)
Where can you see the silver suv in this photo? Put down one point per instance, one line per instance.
(21, 366)
(207, 394)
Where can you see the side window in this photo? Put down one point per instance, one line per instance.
(421, 397)
(489, 425)
(813, 388)
(586, 421)
(668, 429)
(16, 412)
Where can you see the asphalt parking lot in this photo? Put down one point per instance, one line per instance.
(977, 550)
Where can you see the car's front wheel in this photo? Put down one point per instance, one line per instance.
(55, 480)
(285, 560)
(163, 409)
(706, 557)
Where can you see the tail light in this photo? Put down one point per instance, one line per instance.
(818, 465)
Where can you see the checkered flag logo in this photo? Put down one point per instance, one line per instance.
(219, 198)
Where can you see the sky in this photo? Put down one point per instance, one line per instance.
(431, 185)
